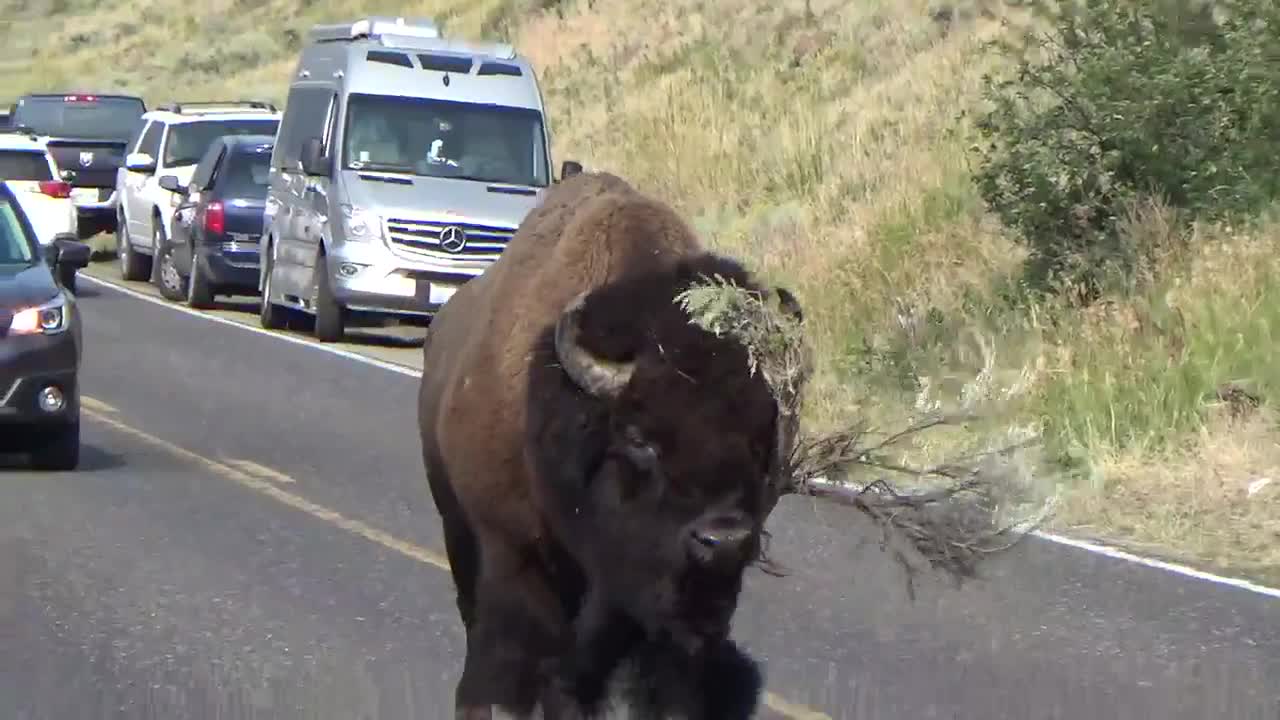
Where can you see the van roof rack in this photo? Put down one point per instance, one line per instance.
(375, 26)
(206, 106)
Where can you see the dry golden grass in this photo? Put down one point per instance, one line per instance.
(825, 143)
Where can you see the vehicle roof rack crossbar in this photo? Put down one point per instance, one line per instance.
(179, 107)
(375, 26)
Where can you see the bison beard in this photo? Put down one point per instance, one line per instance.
(600, 465)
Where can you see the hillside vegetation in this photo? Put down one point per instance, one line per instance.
(837, 147)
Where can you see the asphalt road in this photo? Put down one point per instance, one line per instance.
(251, 537)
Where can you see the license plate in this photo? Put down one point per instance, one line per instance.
(84, 195)
(440, 294)
(401, 285)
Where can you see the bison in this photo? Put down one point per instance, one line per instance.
(601, 465)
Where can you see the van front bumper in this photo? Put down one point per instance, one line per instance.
(371, 279)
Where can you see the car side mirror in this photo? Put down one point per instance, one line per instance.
(569, 168)
(313, 160)
(140, 162)
(67, 251)
(170, 183)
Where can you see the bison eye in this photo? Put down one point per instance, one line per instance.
(641, 453)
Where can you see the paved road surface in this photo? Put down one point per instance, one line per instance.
(251, 537)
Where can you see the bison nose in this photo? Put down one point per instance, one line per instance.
(720, 539)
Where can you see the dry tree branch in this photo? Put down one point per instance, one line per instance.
(952, 527)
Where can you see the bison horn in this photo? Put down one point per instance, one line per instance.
(598, 376)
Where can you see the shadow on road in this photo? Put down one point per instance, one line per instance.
(92, 458)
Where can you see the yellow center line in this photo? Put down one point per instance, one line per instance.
(98, 411)
(262, 471)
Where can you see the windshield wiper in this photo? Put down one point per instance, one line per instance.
(381, 167)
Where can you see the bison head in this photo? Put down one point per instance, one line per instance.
(664, 450)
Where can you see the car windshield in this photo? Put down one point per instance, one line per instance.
(438, 138)
(24, 165)
(101, 118)
(16, 247)
(187, 142)
(246, 175)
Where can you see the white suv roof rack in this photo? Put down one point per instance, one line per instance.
(374, 27)
(210, 107)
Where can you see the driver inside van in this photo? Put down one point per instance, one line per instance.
(371, 139)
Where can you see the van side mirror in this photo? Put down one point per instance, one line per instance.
(569, 168)
(313, 160)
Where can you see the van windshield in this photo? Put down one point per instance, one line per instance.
(442, 138)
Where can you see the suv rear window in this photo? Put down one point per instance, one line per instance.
(24, 165)
(89, 117)
(187, 142)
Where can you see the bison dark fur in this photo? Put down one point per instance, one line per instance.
(600, 465)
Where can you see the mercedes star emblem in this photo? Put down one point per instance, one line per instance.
(453, 239)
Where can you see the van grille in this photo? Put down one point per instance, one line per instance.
(422, 237)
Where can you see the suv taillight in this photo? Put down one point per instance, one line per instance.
(215, 220)
(55, 188)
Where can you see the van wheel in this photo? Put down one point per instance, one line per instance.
(329, 313)
(199, 292)
(60, 450)
(132, 265)
(270, 315)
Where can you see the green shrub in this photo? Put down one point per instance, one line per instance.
(1124, 98)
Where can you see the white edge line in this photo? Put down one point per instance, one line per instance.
(393, 367)
(1094, 548)
(1118, 554)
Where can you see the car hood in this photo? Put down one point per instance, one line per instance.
(467, 201)
(22, 286)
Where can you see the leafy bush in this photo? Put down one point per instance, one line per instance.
(1120, 99)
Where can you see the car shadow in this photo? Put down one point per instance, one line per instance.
(357, 333)
(92, 458)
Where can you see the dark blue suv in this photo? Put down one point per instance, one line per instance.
(217, 224)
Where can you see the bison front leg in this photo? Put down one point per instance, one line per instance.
(602, 639)
(516, 629)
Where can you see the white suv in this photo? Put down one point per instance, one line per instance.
(170, 141)
(43, 192)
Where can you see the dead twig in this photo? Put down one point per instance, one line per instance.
(953, 527)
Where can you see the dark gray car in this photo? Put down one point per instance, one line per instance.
(40, 342)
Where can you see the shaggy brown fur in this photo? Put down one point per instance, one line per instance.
(505, 528)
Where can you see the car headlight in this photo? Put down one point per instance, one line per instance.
(360, 224)
(50, 318)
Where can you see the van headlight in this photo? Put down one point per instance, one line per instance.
(50, 318)
(360, 224)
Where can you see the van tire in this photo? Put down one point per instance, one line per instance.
(199, 291)
(270, 315)
(330, 323)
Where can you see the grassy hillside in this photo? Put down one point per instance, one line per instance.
(827, 142)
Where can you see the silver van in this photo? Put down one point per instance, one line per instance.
(404, 163)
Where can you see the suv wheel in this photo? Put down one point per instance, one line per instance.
(132, 265)
(329, 313)
(60, 450)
